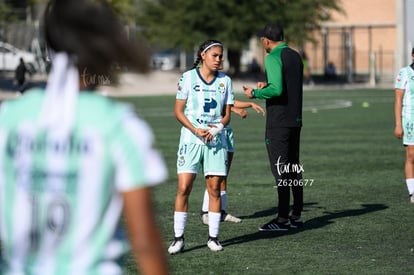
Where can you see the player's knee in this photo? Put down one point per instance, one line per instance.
(410, 156)
(184, 191)
(213, 193)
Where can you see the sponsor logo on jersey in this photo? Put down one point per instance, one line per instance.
(209, 103)
(19, 143)
(197, 88)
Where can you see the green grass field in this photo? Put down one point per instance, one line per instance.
(357, 216)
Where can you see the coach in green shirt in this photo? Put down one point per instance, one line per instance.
(283, 92)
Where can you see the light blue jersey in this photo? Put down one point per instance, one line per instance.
(205, 101)
(405, 81)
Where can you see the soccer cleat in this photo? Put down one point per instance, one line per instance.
(295, 223)
(177, 245)
(214, 244)
(412, 198)
(274, 225)
(229, 218)
(204, 217)
(225, 217)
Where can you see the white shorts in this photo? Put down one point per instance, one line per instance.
(191, 157)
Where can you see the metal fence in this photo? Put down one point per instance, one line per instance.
(356, 51)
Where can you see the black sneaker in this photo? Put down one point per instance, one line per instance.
(274, 225)
(296, 223)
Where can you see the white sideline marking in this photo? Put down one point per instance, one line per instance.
(327, 105)
(312, 106)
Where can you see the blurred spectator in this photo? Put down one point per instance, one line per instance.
(330, 72)
(255, 67)
(20, 76)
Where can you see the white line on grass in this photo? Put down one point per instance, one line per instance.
(312, 106)
(315, 106)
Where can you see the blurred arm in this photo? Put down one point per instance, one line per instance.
(143, 232)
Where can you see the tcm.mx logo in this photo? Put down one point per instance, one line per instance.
(283, 168)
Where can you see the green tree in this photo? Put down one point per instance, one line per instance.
(186, 23)
(6, 12)
(6, 16)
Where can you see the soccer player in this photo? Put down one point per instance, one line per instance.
(203, 101)
(404, 120)
(283, 92)
(238, 108)
(71, 160)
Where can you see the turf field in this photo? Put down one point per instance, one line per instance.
(357, 216)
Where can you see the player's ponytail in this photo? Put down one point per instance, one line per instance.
(197, 61)
(91, 32)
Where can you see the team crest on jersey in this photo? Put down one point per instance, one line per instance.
(181, 161)
(222, 88)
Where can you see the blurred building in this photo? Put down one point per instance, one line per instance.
(370, 41)
(20, 27)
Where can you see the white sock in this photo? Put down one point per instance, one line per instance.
(213, 224)
(180, 219)
(206, 201)
(223, 196)
(410, 185)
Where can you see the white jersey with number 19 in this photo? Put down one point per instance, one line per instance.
(60, 198)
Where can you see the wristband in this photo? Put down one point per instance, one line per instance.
(215, 130)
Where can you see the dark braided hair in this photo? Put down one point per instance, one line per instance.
(89, 31)
(201, 49)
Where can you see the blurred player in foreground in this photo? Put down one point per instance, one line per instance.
(71, 160)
